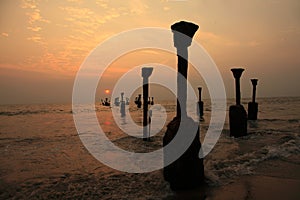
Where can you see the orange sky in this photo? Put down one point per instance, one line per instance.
(44, 42)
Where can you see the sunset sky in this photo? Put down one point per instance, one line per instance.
(43, 43)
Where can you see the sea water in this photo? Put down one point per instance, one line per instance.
(275, 135)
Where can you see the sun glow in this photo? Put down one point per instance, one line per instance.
(107, 91)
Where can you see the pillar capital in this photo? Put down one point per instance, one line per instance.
(237, 72)
(254, 81)
(199, 89)
(146, 72)
(188, 29)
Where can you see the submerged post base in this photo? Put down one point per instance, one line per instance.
(237, 121)
(252, 110)
(188, 170)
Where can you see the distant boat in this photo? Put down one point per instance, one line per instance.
(106, 102)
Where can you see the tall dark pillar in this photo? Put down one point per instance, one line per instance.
(200, 105)
(146, 72)
(188, 170)
(237, 113)
(253, 106)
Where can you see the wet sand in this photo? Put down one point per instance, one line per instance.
(275, 179)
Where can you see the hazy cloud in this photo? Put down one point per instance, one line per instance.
(138, 7)
(4, 34)
(34, 20)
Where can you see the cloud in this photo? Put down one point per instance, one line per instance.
(76, 1)
(84, 25)
(4, 34)
(102, 3)
(34, 20)
(35, 29)
(166, 8)
(68, 30)
(213, 40)
(138, 7)
(36, 39)
(253, 43)
(28, 4)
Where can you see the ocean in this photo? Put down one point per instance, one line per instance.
(43, 157)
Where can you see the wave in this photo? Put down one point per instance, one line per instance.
(280, 120)
(220, 172)
(22, 113)
(29, 112)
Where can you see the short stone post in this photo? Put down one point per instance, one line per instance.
(253, 106)
(200, 105)
(122, 108)
(237, 113)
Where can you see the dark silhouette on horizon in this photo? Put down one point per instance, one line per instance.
(106, 102)
(138, 101)
(152, 101)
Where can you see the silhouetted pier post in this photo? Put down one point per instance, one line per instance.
(146, 72)
(139, 102)
(253, 106)
(187, 171)
(237, 113)
(122, 107)
(200, 105)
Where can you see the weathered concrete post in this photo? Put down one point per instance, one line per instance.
(187, 171)
(146, 72)
(122, 108)
(200, 105)
(253, 106)
(237, 113)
